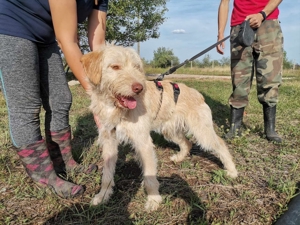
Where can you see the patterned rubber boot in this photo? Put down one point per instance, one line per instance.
(38, 165)
(59, 145)
(55, 155)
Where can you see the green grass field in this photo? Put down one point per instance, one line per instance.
(195, 191)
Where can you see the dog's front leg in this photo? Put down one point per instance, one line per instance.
(147, 158)
(110, 156)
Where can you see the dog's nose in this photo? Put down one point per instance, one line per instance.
(137, 88)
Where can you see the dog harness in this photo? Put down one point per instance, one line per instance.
(176, 89)
(159, 86)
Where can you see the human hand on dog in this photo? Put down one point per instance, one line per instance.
(97, 121)
(255, 20)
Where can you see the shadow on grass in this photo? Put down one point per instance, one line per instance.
(128, 181)
(220, 112)
(160, 141)
(176, 187)
(84, 135)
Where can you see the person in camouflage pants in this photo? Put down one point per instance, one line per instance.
(263, 58)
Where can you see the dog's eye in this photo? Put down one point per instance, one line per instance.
(115, 67)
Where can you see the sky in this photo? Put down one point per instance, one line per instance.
(192, 25)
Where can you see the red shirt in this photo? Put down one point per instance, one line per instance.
(243, 8)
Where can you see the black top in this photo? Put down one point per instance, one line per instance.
(31, 19)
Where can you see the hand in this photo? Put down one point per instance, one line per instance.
(97, 120)
(255, 20)
(221, 46)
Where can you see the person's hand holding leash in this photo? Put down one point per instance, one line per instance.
(255, 20)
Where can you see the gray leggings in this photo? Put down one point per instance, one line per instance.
(32, 76)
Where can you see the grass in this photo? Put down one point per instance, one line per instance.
(195, 191)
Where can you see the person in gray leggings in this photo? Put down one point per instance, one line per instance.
(32, 76)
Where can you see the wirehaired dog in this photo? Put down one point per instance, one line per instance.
(129, 107)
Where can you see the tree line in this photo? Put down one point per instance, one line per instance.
(164, 58)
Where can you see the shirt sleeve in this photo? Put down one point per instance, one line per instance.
(102, 5)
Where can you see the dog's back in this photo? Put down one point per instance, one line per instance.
(181, 109)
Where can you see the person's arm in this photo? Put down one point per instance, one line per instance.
(96, 29)
(257, 18)
(222, 21)
(64, 17)
(96, 36)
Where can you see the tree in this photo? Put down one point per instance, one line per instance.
(287, 64)
(130, 21)
(225, 61)
(164, 58)
(206, 62)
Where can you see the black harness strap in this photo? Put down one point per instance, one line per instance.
(175, 86)
(176, 90)
(161, 89)
(158, 85)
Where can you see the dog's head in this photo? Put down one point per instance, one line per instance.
(116, 72)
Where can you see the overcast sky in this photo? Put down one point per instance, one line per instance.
(191, 26)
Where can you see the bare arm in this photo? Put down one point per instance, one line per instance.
(96, 29)
(64, 17)
(257, 18)
(96, 36)
(222, 21)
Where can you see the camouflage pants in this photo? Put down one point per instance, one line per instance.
(264, 59)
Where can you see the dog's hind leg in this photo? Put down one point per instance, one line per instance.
(201, 126)
(110, 156)
(184, 144)
(147, 157)
(220, 150)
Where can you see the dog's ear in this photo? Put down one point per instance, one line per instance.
(91, 64)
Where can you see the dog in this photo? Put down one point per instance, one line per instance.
(129, 107)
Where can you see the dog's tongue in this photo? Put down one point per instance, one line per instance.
(129, 102)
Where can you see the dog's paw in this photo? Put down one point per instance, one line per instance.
(232, 173)
(96, 200)
(102, 197)
(176, 158)
(153, 202)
